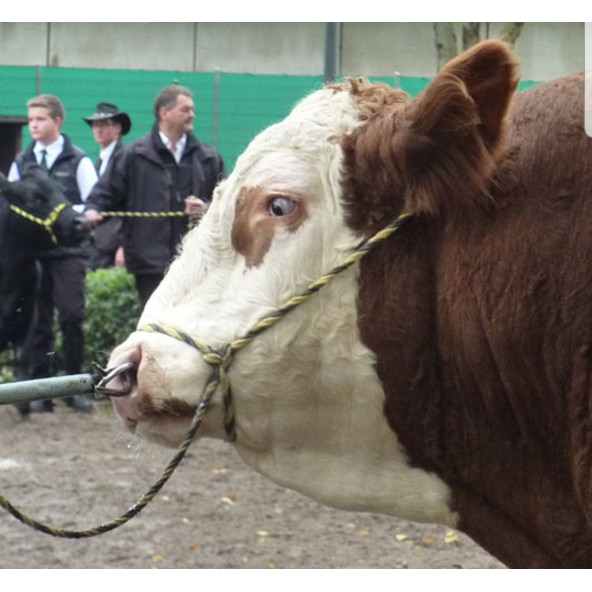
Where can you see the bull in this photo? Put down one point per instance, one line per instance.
(446, 376)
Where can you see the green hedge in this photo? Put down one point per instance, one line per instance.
(112, 311)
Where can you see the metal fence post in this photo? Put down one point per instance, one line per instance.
(216, 112)
(38, 79)
(332, 51)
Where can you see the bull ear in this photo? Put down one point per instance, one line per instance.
(33, 171)
(450, 136)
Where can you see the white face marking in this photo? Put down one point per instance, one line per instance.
(309, 405)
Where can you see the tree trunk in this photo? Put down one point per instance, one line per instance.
(511, 32)
(446, 44)
(471, 34)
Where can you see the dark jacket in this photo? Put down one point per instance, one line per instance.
(107, 235)
(63, 170)
(146, 178)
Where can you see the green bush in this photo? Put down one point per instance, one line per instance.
(112, 312)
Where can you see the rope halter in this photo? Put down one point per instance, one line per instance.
(220, 359)
(47, 223)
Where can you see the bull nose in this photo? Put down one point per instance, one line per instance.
(118, 381)
(120, 385)
(81, 226)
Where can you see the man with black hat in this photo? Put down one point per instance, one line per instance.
(109, 124)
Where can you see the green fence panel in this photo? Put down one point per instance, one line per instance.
(250, 103)
(132, 91)
(17, 86)
(230, 108)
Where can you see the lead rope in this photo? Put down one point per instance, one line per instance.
(192, 219)
(211, 386)
(219, 360)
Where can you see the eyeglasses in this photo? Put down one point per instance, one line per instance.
(102, 123)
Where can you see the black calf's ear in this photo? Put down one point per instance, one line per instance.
(450, 136)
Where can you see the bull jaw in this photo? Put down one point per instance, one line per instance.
(358, 482)
(340, 452)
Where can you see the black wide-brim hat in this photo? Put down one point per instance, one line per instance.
(110, 111)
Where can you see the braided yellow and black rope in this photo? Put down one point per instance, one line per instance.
(315, 286)
(219, 360)
(124, 214)
(47, 223)
(176, 214)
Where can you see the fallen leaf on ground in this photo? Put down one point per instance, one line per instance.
(451, 537)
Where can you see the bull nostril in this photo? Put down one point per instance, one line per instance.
(118, 381)
(81, 226)
(122, 374)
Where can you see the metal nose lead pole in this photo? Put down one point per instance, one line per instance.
(67, 386)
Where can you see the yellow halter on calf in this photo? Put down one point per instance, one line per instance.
(47, 223)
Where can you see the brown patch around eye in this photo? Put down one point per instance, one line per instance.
(254, 229)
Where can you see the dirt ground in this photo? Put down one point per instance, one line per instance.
(77, 471)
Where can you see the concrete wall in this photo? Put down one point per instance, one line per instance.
(547, 50)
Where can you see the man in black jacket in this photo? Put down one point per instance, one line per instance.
(167, 171)
(63, 269)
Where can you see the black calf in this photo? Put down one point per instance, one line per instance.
(34, 216)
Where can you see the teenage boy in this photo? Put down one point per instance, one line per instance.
(63, 269)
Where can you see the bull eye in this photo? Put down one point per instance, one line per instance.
(281, 206)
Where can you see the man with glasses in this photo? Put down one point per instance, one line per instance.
(109, 125)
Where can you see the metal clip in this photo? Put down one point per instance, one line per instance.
(101, 388)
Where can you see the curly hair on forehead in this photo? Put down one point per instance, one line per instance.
(49, 102)
(167, 97)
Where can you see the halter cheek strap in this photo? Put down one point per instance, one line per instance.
(47, 223)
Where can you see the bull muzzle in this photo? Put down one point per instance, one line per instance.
(81, 228)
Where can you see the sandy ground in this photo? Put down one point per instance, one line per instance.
(77, 471)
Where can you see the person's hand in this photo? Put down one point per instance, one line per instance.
(195, 207)
(119, 258)
(93, 217)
